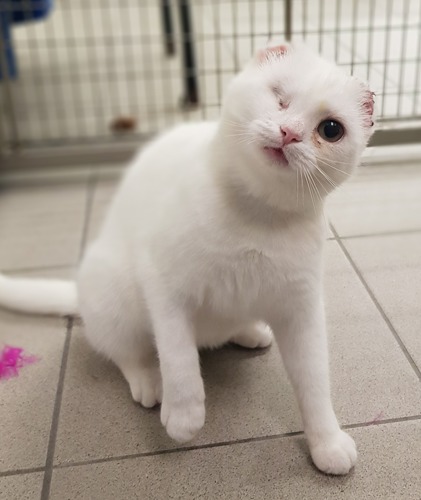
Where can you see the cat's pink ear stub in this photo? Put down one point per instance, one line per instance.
(272, 52)
(368, 108)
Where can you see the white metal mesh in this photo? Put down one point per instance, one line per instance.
(92, 61)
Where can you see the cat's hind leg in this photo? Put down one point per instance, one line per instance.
(255, 335)
(117, 326)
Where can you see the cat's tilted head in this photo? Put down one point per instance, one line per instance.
(298, 117)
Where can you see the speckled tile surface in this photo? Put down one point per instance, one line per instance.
(70, 430)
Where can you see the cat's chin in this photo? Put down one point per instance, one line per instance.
(276, 155)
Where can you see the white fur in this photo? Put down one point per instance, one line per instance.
(38, 296)
(208, 241)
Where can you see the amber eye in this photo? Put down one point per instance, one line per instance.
(330, 130)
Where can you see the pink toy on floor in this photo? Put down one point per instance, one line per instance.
(12, 360)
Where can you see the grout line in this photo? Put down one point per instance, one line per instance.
(17, 472)
(40, 268)
(402, 232)
(145, 454)
(377, 304)
(385, 421)
(45, 493)
(222, 444)
(91, 186)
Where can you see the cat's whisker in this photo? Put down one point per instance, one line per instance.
(240, 133)
(329, 180)
(335, 168)
(244, 132)
(326, 162)
(239, 138)
(319, 181)
(244, 138)
(331, 166)
(239, 127)
(309, 190)
(316, 189)
(247, 141)
(232, 122)
(339, 162)
(302, 186)
(315, 178)
(348, 163)
(315, 192)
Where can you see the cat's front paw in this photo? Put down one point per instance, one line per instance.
(335, 455)
(183, 420)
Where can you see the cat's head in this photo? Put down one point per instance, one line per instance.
(299, 116)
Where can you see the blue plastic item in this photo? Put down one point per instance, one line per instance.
(17, 11)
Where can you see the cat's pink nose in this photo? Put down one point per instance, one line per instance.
(289, 136)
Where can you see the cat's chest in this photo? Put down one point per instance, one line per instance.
(247, 279)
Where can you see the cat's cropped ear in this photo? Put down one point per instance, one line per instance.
(367, 106)
(271, 53)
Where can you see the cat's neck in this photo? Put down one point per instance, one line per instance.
(264, 189)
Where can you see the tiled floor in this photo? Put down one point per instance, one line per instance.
(69, 429)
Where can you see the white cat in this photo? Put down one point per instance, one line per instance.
(217, 232)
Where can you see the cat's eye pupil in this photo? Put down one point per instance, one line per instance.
(330, 130)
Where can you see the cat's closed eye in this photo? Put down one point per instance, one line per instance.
(282, 102)
(330, 130)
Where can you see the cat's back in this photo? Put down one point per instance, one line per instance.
(180, 149)
(162, 176)
(163, 165)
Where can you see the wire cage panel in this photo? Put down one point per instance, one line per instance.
(88, 63)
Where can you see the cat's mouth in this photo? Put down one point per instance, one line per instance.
(276, 154)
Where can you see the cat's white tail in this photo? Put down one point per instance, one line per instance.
(38, 296)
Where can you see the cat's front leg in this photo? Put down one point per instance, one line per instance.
(301, 337)
(183, 399)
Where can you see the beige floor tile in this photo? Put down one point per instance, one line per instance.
(378, 200)
(371, 378)
(21, 486)
(388, 468)
(26, 402)
(41, 225)
(392, 268)
(247, 393)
